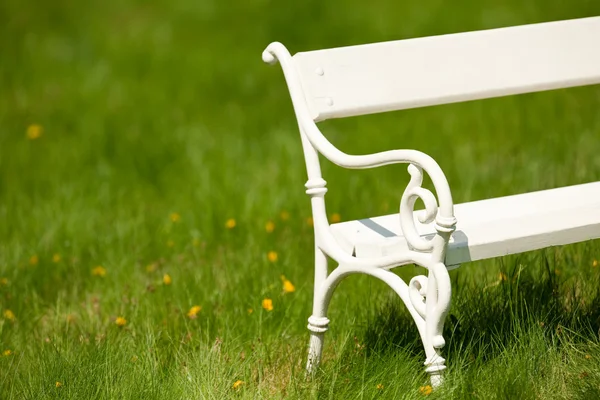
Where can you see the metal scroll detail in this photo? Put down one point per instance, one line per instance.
(413, 192)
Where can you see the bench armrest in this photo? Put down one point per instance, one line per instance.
(419, 161)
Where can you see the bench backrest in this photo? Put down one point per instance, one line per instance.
(403, 74)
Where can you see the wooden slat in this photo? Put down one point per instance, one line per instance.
(491, 228)
(443, 69)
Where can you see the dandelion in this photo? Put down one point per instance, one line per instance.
(151, 267)
(7, 353)
(33, 260)
(34, 131)
(193, 313)
(56, 258)
(9, 315)
(167, 279)
(426, 390)
(175, 217)
(284, 215)
(230, 224)
(237, 384)
(288, 287)
(99, 271)
(58, 384)
(272, 256)
(380, 386)
(335, 218)
(269, 227)
(595, 263)
(309, 221)
(385, 206)
(267, 304)
(3, 281)
(120, 321)
(250, 311)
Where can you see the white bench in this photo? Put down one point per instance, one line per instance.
(397, 75)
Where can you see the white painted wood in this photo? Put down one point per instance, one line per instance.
(490, 228)
(403, 74)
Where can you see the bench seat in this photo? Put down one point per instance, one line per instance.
(489, 228)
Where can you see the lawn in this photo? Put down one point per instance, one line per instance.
(152, 200)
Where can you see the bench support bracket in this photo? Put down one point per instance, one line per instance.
(427, 298)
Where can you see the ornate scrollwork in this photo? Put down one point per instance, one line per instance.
(413, 192)
(417, 291)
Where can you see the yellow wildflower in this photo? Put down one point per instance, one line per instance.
(502, 276)
(335, 218)
(237, 384)
(167, 279)
(120, 321)
(288, 287)
(426, 390)
(99, 271)
(58, 384)
(56, 258)
(267, 304)
(230, 224)
(595, 263)
(175, 217)
(33, 260)
(7, 353)
(151, 267)
(34, 131)
(379, 386)
(309, 221)
(269, 227)
(284, 215)
(3, 281)
(272, 256)
(193, 313)
(9, 315)
(250, 311)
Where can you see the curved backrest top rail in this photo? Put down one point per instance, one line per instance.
(411, 73)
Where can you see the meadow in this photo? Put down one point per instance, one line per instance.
(155, 237)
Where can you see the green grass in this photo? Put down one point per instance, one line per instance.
(161, 108)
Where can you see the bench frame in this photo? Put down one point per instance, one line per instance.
(426, 297)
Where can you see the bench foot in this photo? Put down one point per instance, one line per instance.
(435, 368)
(317, 327)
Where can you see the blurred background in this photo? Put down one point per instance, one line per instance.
(162, 102)
(133, 132)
